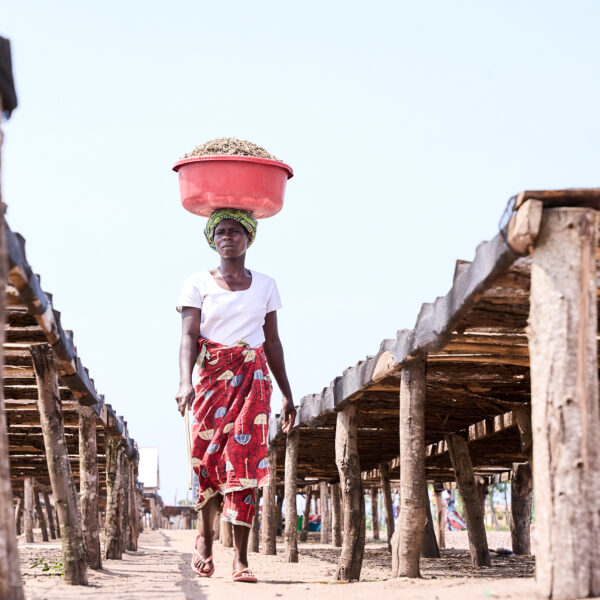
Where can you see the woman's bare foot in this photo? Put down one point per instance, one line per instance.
(204, 550)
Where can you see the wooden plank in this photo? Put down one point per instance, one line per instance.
(291, 483)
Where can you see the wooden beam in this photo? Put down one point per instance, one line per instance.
(28, 508)
(465, 479)
(438, 488)
(18, 513)
(253, 540)
(384, 471)
(565, 413)
(520, 507)
(59, 466)
(306, 515)
(88, 486)
(49, 514)
(113, 548)
(227, 534)
(325, 514)
(133, 512)
(40, 514)
(429, 546)
(125, 506)
(375, 512)
(406, 554)
(348, 464)
(336, 516)
(291, 483)
(269, 512)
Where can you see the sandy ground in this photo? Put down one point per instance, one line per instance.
(160, 569)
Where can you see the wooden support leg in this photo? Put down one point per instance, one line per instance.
(124, 493)
(348, 464)
(336, 516)
(216, 525)
(59, 466)
(405, 557)
(280, 496)
(325, 517)
(564, 398)
(40, 514)
(429, 547)
(11, 586)
(28, 508)
(112, 526)
(49, 514)
(88, 486)
(375, 512)
(306, 515)
(18, 513)
(227, 534)
(384, 469)
(520, 501)
(438, 488)
(465, 478)
(253, 545)
(133, 518)
(523, 416)
(269, 512)
(291, 482)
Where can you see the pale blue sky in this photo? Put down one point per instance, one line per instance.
(408, 126)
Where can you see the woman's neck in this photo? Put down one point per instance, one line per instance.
(233, 267)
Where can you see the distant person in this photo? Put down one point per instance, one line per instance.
(229, 330)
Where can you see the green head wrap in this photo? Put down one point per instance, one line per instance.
(243, 217)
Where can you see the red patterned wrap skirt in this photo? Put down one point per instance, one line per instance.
(230, 427)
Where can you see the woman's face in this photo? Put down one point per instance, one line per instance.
(231, 239)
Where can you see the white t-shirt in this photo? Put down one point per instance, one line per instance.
(226, 316)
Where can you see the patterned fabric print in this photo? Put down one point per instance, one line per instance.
(239, 507)
(244, 217)
(230, 420)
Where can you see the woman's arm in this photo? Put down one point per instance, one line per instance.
(274, 353)
(188, 353)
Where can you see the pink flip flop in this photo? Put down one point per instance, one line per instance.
(203, 562)
(245, 575)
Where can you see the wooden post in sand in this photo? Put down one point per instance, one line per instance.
(384, 470)
(49, 514)
(227, 534)
(88, 486)
(291, 484)
(253, 542)
(375, 512)
(405, 556)
(336, 516)
(348, 464)
(112, 526)
(438, 488)
(429, 547)
(28, 508)
(325, 516)
(520, 507)
(465, 478)
(132, 542)
(11, 585)
(40, 514)
(59, 466)
(269, 512)
(125, 505)
(18, 513)
(564, 404)
(306, 514)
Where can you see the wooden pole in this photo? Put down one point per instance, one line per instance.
(564, 398)
(216, 525)
(465, 478)
(18, 513)
(112, 525)
(50, 514)
(133, 512)
(59, 467)
(253, 545)
(412, 471)
(438, 488)
(306, 515)
(523, 417)
(227, 534)
(375, 512)
(384, 470)
(269, 522)
(291, 484)
(88, 486)
(429, 546)
(28, 508)
(280, 491)
(336, 515)
(11, 585)
(348, 464)
(325, 517)
(520, 501)
(125, 505)
(40, 514)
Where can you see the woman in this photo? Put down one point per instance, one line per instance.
(229, 330)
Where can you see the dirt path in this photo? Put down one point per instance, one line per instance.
(160, 570)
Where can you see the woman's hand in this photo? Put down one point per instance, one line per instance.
(289, 415)
(185, 397)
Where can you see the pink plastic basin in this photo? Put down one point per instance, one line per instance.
(210, 182)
